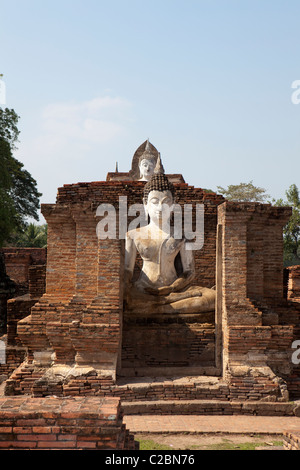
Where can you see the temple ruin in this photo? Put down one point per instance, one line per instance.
(81, 339)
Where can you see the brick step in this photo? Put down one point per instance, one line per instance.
(176, 388)
(211, 407)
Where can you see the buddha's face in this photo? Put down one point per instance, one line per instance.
(146, 169)
(159, 206)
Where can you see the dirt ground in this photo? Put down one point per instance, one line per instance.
(210, 441)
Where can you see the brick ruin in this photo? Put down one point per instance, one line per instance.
(53, 423)
(19, 261)
(79, 341)
(25, 270)
(7, 290)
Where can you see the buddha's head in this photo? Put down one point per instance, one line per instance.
(147, 164)
(159, 194)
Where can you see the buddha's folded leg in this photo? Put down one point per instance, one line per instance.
(196, 304)
(192, 300)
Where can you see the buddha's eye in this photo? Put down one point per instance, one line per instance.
(154, 201)
(167, 202)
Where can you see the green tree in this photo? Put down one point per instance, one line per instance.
(19, 197)
(244, 192)
(9, 127)
(291, 232)
(32, 236)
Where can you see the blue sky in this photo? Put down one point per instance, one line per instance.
(207, 81)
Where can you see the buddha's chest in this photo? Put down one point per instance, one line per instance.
(158, 250)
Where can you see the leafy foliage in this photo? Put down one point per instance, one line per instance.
(247, 192)
(291, 231)
(32, 236)
(9, 127)
(19, 197)
(244, 192)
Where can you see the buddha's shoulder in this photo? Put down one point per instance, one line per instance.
(137, 233)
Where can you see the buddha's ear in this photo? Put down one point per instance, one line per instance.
(172, 205)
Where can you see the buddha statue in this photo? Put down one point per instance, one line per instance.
(146, 167)
(160, 289)
(149, 164)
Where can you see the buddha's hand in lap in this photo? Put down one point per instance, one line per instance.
(165, 290)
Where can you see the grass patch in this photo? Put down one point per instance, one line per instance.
(225, 444)
(228, 445)
(147, 444)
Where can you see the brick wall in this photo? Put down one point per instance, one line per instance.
(7, 291)
(55, 423)
(19, 308)
(261, 388)
(37, 281)
(18, 260)
(14, 275)
(13, 356)
(292, 317)
(168, 344)
(250, 299)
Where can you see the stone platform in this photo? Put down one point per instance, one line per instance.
(184, 395)
(202, 395)
(210, 408)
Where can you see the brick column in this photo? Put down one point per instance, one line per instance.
(83, 240)
(61, 251)
(96, 335)
(86, 252)
(236, 307)
(276, 219)
(250, 245)
(256, 229)
(60, 275)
